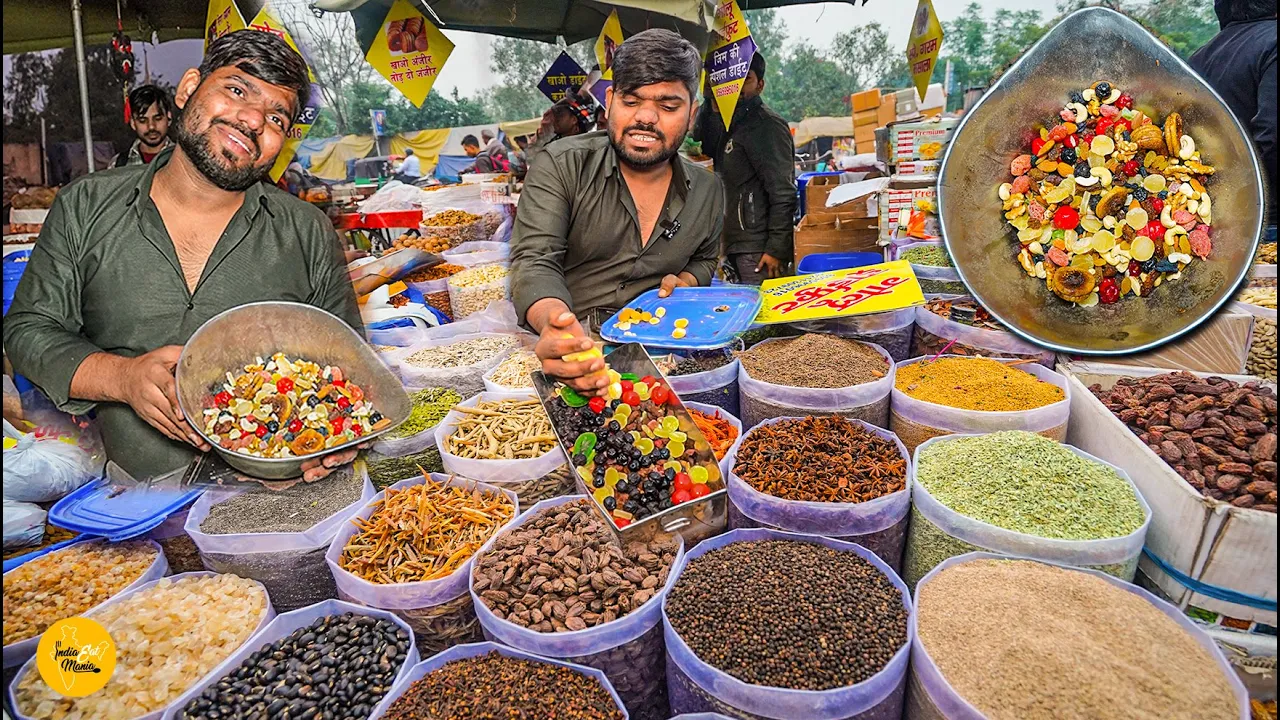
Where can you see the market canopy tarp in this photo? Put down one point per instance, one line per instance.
(426, 144)
(331, 162)
(821, 127)
(520, 128)
(45, 24)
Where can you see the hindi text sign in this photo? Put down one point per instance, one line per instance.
(564, 77)
(922, 48)
(409, 51)
(840, 293)
(728, 57)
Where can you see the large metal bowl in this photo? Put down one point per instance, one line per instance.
(232, 339)
(1090, 45)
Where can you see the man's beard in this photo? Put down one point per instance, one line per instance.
(644, 162)
(216, 165)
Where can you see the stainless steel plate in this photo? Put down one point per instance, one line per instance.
(232, 339)
(1090, 45)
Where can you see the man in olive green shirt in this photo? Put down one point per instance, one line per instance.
(609, 215)
(132, 261)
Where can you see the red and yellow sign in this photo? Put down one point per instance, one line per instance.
(922, 48)
(840, 293)
(76, 657)
(409, 51)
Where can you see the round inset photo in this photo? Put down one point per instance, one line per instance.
(1101, 213)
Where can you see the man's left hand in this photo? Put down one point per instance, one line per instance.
(317, 468)
(771, 265)
(669, 283)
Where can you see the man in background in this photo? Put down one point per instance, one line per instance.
(496, 151)
(411, 169)
(756, 160)
(150, 111)
(1240, 63)
(483, 162)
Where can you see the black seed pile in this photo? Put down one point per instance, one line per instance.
(497, 687)
(702, 362)
(338, 667)
(788, 614)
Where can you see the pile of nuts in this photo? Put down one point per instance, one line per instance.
(471, 291)
(1220, 436)
(425, 243)
(1262, 350)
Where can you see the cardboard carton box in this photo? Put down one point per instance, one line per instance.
(817, 190)
(865, 134)
(835, 232)
(865, 118)
(866, 100)
(888, 111)
(894, 200)
(922, 140)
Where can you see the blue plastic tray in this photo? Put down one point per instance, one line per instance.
(91, 510)
(708, 327)
(14, 562)
(824, 262)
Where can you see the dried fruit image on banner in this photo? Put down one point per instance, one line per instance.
(409, 51)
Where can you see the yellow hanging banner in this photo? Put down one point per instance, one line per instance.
(266, 21)
(223, 17)
(409, 51)
(728, 57)
(606, 45)
(922, 49)
(840, 293)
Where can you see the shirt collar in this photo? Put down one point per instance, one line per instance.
(255, 199)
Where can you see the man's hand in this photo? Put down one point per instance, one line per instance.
(771, 265)
(563, 335)
(147, 385)
(671, 282)
(321, 467)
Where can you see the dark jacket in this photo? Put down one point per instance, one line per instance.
(756, 162)
(1240, 63)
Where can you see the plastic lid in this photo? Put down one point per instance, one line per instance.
(96, 509)
(715, 316)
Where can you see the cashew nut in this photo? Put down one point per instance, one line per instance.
(1005, 190)
(1087, 182)
(1036, 248)
(1166, 217)
(1186, 147)
(1171, 235)
(1187, 190)
(1205, 207)
(1081, 112)
(1102, 174)
(1088, 94)
(1114, 96)
(1040, 271)
(1193, 206)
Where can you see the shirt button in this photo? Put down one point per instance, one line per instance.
(191, 306)
(622, 286)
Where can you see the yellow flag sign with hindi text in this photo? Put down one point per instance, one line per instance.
(409, 51)
(922, 49)
(840, 293)
(728, 57)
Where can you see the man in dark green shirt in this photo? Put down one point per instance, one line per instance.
(132, 261)
(608, 215)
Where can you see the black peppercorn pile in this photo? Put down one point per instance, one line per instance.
(702, 362)
(788, 614)
(337, 667)
(497, 687)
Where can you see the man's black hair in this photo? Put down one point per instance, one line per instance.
(656, 56)
(264, 56)
(408, 152)
(143, 97)
(758, 65)
(471, 140)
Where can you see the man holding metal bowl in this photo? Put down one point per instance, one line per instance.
(132, 261)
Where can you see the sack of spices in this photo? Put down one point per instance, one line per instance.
(468, 680)
(82, 576)
(826, 476)
(442, 520)
(987, 627)
(505, 439)
(375, 644)
(613, 622)
(932, 266)
(170, 633)
(933, 397)
(513, 373)
(454, 226)
(455, 363)
(957, 325)
(709, 377)
(418, 431)
(179, 549)
(815, 374)
(1022, 494)
(279, 537)
(471, 290)
(890, 330)
(817, 628)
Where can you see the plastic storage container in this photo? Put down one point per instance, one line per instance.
(628, 650)
(879, 525)
(815, 263)
(934, 279)
(696, 686)
(760, 400)
(717, 387)
(938, 532)
(934, 334)
(440, 612)
(916, 421)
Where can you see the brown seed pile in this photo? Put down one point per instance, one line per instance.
(563, 570)
(1021, 640)
(1220, 436)
(788, 614)
(820, 459)
(497, 687)
(814, 361)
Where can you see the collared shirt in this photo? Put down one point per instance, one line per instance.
(104, 277)
(577, 232)
(134, 154)
(412, 166)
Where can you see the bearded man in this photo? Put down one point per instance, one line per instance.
(132, 261)
(606, 216)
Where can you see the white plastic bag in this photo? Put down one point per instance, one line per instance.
(23, 524)
(933, 332)
(440, 612)
(467, 380)
(477, 252)
(392, 197)
(934, 279)
(470, 299)
(760, 400)
(42, 469)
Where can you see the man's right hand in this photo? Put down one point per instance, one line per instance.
(563, 335)
(148, 386)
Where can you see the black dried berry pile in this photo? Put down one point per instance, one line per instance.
(338, 667)
(788, 614)
(702, 362)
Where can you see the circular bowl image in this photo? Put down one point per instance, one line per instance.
(1091, 45)
(234, 338)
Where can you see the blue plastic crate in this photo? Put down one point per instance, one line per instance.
(825, 262)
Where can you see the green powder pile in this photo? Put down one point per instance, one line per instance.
(1029, 484)
(931, 255)
(429, 408)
